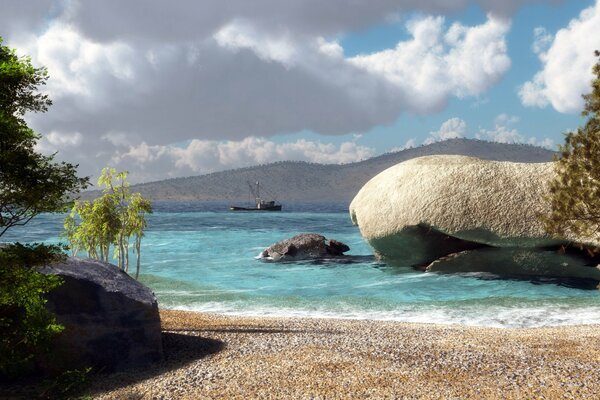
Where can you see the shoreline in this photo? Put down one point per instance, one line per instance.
(219, 356)
(302, 314)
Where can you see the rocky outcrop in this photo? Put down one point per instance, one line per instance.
(426, 208)
(111, 320)
(304, 247)
(520, 263)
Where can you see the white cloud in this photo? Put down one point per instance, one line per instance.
(331, 49)
(205, 156)
(242, 35)
(55, 141)
(438, 63)
(505, 119)
(410, 143)
(450, 129)
(566, 65)
(78, 65)
(541, 40)
(500, 134)
(545, 142)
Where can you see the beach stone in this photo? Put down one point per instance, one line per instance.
(111, 320)
(487, 202)
(303, 247)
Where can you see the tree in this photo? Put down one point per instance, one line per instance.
(110, 220)
(575, 192)
(30, 183)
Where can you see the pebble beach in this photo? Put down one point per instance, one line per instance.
(210, 356)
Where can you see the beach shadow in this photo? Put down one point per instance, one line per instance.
(251, 330)
(178, 349)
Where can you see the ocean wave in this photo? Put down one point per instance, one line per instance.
(497, 317)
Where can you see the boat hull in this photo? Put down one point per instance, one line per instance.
(271, 208)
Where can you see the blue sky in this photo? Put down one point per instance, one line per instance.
(166, 90)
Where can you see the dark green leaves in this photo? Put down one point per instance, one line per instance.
(575, 192)
(30, 183)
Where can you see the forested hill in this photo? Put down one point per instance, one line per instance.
(301, 181)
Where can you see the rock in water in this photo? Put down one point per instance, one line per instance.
(304, 247)
(111, 320)
(426, 208)
(522, 263)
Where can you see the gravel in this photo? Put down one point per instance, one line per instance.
(213, 356)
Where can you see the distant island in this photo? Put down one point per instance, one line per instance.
(290, 181)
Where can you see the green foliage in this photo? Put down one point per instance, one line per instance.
(26, 327)
(30, 183)
(575, 192)
(67, 385)
(111, 220)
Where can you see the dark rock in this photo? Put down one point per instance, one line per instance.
(304, 247)
(417, 246)
(336, 248)
(521, 263)
(111, 320)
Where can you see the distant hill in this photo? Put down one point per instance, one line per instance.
(302, 181)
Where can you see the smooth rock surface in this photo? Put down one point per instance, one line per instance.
(304, 247)
(111, 320)
(488, 202)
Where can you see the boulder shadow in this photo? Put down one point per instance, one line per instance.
(330, 261)
(567, 282)
(179, 350)
(253, 329)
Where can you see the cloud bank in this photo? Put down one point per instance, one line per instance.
(212, 72)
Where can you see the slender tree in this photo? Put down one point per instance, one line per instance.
(109, 221)
(138, 208)
(575, 192)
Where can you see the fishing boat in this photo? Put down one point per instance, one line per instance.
(261, 205)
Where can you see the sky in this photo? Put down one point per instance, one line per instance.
(168, 89)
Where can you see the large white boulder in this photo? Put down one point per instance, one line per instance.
(415, 209)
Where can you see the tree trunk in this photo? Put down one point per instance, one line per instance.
(137, 250)
(126, 251)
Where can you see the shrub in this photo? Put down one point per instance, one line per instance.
(26, 327)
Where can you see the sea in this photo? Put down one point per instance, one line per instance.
(200, 256)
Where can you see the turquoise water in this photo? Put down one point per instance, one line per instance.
(202, 257)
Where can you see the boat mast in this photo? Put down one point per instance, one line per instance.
(257, 194)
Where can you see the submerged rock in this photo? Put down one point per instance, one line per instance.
(521, 263)
(304, 247)
(111, 320)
